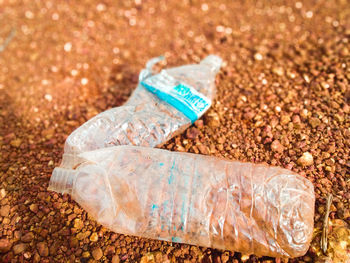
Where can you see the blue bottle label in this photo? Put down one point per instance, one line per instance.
(183, 97)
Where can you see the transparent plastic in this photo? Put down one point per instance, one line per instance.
(144, 120)
(194, 199)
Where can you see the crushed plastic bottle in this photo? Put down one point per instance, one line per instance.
(193, 199)
(162, 106)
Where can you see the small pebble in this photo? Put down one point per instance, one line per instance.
(258, 56)
(19, 248)
(16, 143)
(94, 237)
(74, 242)
(306, 159)
(2, 193)
(5, 245)
(43, 249)
(296, 119)
(78, 223)
(192, 133)
(285, 119)
(276, 146)
(97, 253)
(314, 122)
(278, 71)
(5, 210)
(67, 47)
(36, 258)
(84, 81)
(213, 120)
(199, 124)
(33, 208)
(115, 259)
(27, 237)
(48, 97)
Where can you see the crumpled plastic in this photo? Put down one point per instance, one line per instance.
(193, 199)
(145, 119)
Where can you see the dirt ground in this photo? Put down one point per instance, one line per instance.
(283, 93)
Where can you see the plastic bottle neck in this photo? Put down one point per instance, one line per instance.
(213, 62)
(62, 180)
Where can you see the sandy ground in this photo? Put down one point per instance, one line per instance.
(283, 92)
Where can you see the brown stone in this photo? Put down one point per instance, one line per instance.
(74, 242)
(78, 223)
(36, 258)
(213, 120)
(97, 253)
(306, 159)
(19, 248)
(192, 133)
(33, 208)
(43, 249)
(314, 122)
(16, 142)
(94, 237)
(115, 259)
(27, 237)
(276, 146)
(5, 210)
(203, 149)
(5, 245)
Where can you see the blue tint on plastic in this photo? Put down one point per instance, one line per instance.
(183, 107)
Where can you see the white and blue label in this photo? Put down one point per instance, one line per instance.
(183, 97)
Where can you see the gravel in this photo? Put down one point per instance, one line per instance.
(283, 99)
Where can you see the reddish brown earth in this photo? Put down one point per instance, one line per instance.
(283, 99)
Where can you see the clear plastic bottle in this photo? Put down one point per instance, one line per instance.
(194, 199)
(153, 114)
